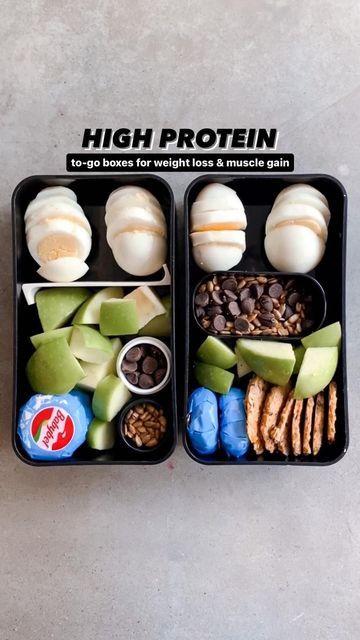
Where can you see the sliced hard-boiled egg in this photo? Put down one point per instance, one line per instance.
(139, 193)
(284, 214)
(134, 220)
(132, 201)
(50, 192)
(63, 270)
(217, 195)
(218, 250)
(300, 196)
(301, 187)
(220, 219)
(57, 208)
(55, 239)
(294, 248)
(147, 212)
(140, 252)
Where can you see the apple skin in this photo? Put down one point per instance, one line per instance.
(89, 312)
(273, 361)
(118, 318)
(317, 370)
(100, 435)
(88, 344)
(49, 336)
(53, 369)
(299, 356)
(214, 351)
(213, 378)
(110, 396)
(329, 336)
(57, 305)
(159, 327)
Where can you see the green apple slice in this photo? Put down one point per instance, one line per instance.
(329, 336)
(100, 435)
(88, 344)
(272, 361)
(110, 396)
(48, 336)
(317, 370)
(213, 378)
(119, 317)
(241, 367)
(299, 356)
(214, 351)
(89, 312)
(57, 305)
(148, 304)
(94, 373)
(160, 326)
(53, 369)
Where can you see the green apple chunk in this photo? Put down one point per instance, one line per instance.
(272, 361)
(329, 336)
(110, 396)
(148, 304)
(119, 318)
(88, 344)
(299, 356)
(48, 336)
(213, 378)
(316, 371)
(53, 369)
(241, 367)
(160, 326)
(57, 305)
(94, 373)
(89, 312)
(100, 435)
(214, 351)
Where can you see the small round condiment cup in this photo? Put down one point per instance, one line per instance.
(135, 343)
(120, 425)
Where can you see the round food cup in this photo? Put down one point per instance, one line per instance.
(134, 343)
(120, 425)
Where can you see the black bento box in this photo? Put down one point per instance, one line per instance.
(92, 193)
(257, 194)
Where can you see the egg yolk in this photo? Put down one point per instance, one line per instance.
(59, 245)
(311, 224)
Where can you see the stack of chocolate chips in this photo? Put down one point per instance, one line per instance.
(144, 366)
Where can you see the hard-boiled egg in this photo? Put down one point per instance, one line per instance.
(303, 196)
(294, 248)
(63, 270)
(55, 239)
(50, 192)
(217, 195)
(300, 214)
(134, 219)
(56, 208)
(139, 252)
(218, 250)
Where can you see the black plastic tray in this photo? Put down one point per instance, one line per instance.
(92, 193)
(258, 194)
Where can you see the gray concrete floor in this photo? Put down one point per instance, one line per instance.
(180, 551)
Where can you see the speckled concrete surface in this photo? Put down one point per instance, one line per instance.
(180, 551)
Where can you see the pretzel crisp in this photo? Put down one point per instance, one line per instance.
(319, 420)
(254, 402)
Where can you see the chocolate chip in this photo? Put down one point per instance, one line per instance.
(200, 312)
(275, 290)
(288, 312)
(133, 378)
(159, 375)
(214, 311)
(242, 325)
(266, 319)
(244, 293)
(248, 306)
(293, 298)
(256, 290)
(266, 303)
(149, 364)
(216, 297)
(146, 381)
(234, 309)
(229, 283)
(134, 354)
(202, 299)
(230, 295)
(128, 366)
(219, 323)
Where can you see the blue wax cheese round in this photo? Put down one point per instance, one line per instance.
(52, 427)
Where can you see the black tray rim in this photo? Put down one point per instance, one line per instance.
(71, 462)
(295, 177)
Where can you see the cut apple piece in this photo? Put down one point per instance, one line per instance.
(53, 369)
(213, 378)
(94, 373)
(329, 336)
(160, 326)
(316, 372)
(49, 336)
(148, 304)
(57, 306)
(299, 356)
(214, 351)
(110, 396)
(89, 312)
(119, 317)
(272, 361)
(100, 435)
(88, 344)
(242, 367)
